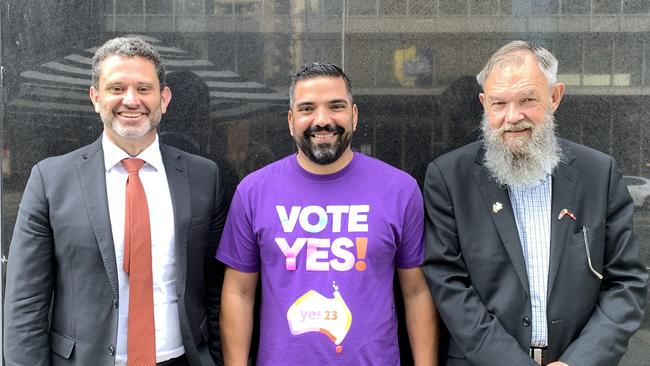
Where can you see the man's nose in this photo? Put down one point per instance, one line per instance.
(513, 113)
(131, 98)
(322, 117)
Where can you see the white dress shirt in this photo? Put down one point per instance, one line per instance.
(532, 208)
(161, 214)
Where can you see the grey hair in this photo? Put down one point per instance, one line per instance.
(129, 47)
(546, 61)
(317, 69)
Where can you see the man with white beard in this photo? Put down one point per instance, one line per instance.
(531, 256)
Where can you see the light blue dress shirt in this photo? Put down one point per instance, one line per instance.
(531, 204)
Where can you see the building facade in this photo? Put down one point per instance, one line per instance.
(412, 64)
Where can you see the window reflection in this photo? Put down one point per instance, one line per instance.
(411, 62)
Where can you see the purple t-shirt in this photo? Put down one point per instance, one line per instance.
(326, 247)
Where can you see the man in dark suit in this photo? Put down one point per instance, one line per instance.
(531, 257)
(73, 268)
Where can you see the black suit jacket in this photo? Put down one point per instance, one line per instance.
(475, 265)
(61, 298)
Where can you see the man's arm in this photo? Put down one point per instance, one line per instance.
(421, 316)
(214, 269)
(237, 302)
(479, 334)
(623, 291)
(30, 280)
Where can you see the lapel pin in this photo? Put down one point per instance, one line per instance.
(566, 212)
(496, 207)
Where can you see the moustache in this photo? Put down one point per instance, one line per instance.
(516, 127)
(120, 109)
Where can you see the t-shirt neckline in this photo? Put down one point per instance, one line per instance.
(293, 159)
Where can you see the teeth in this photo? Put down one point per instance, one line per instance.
(130, 114)
(324, 136)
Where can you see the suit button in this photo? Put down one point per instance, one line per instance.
(111, 350)
(525, 322)
(114, 302)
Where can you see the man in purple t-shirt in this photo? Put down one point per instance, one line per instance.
(324, 230)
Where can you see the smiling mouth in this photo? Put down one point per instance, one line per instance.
(518, 130)
(127, 114)
(323, 136)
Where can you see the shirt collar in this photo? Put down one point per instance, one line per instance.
(113, 154)
(534, 184)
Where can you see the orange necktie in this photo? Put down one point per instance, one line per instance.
(141, 338)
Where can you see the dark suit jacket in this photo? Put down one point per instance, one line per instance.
(62, 293)
(475, 264)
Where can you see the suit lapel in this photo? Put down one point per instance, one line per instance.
(564, 186)
(179, 189)
(504, 220)
(93, 185)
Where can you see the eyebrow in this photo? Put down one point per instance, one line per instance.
(122, 82)
(501, 95)
(304, 104)
(338, 101)
(334, 101)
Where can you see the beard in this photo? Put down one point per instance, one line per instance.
(133, 132)
(521, 162)
(324, 153)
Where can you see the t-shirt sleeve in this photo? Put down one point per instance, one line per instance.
(238, 248)
(410, 249)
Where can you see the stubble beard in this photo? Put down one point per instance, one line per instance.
(134, 132)
(523, 162)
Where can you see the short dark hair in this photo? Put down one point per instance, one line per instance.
(317, 69)
(130, 47)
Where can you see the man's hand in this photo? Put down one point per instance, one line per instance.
(557, 363)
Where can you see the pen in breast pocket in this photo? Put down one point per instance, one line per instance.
(584, 234)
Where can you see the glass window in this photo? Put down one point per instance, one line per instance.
(489, 7)
(281, 7)
(453, 7)
(568, 51)
(217, 7)
(505, 7)
(332, 7)
(628, 60)
(247, 9)
(576, 7)
(636, 6)
(392, 7)
(517, 7)
(326, 49)
(606, 7)
(159, 6)
(129, 7)
(421, 8)
(449, 61)
(362, 7)
(360, 62)
(545, 7)
(109, 6)
(194, 6)
(598, 62)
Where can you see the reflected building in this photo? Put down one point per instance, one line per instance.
(415, 49)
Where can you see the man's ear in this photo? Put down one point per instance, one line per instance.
(355, 117)
(166, 97)
(557, 92)
(290, 122)
(481, 97)
(94, 97)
